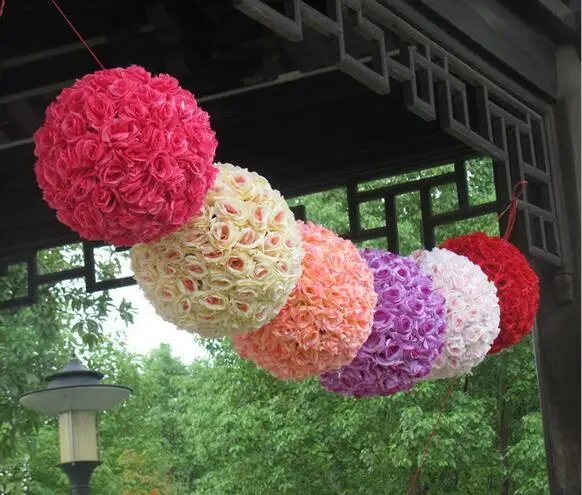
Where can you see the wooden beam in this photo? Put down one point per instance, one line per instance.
(68, 48)
(282, 80)
(499, 31)
(24, 116)
(555, 17)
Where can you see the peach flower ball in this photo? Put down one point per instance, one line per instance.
(327, 318)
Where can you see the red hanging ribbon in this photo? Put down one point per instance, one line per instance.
(2, 5)
(512, 208)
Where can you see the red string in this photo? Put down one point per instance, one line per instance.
(512, 208)
(71, 25)
(81, 39)
(430, 438)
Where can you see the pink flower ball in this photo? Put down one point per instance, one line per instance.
(124, 157)
(328, 315)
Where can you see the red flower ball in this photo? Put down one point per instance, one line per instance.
(124, 157)
(517, 284)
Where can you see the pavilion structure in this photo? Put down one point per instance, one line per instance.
(319, 94)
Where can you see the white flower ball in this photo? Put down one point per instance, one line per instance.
(472, 310)
(231, 268)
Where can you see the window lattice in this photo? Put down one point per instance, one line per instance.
(436, 86)
(408, 211)
(398, 212)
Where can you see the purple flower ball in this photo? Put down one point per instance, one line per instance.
(407, 335)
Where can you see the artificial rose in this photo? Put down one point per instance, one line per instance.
(114, 172)
(139, 75)
(162, 167)
(151, 98)
(123, 127)
(517, 284)
(104, 198)
(98, 110)
(88, 150)
(472, 310)
(55, 112)
(166, 84)
(73, 126)
(178, 142)
(119, 133)
(134, 109)
(327, 317)
(234, 274)
(121, 88)
(407, 333)
(84, 186)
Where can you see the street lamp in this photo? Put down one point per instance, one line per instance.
(76, 395)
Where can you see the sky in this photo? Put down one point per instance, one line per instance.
(148, 330)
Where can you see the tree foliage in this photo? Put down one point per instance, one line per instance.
(222, 426)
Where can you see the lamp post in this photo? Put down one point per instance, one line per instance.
(76, 395)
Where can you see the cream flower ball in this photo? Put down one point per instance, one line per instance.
(232, 267)
(472, 310)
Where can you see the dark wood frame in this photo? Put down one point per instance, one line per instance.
(558, 358)
(495, 90)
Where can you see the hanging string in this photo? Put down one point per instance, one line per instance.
(71, 25)
(430, 438)
(512, 208)
(78, 34)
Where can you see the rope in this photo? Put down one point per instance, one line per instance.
(512, 208)
(71, 25)
(430, 438)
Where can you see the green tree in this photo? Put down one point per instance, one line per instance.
(222, 426)
(38, 340)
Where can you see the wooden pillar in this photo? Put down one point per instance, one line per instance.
(557, 336)
(568, 114)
